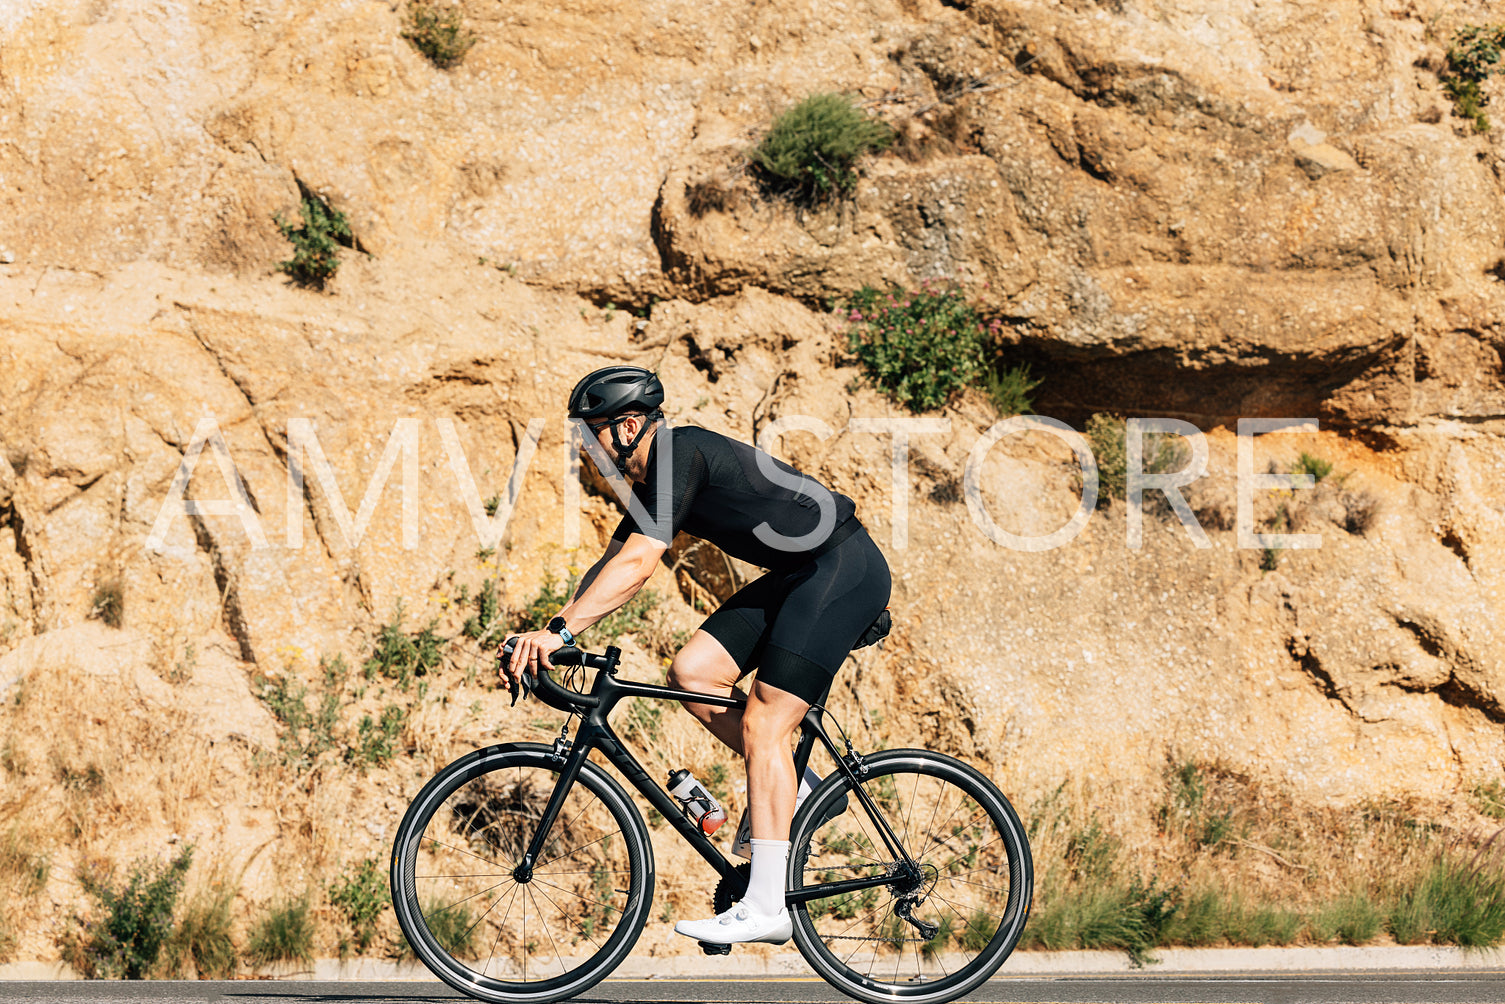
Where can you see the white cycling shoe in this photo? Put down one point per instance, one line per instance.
(738, 925)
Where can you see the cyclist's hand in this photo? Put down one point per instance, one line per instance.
(530, 654)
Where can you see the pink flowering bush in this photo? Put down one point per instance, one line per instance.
(920, 347)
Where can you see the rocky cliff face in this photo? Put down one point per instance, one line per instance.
(1254, 211)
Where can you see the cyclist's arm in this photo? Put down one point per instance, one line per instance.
(612, 547)
(613, 580)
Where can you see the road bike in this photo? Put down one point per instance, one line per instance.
(522, 873)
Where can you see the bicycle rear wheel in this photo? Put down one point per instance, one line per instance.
(926, 935)
(492, 933)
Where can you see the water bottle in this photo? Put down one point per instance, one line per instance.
(700, 805)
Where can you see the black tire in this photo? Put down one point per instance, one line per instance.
(546, 939)
(975, 882)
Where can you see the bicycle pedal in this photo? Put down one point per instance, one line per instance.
(712, 949)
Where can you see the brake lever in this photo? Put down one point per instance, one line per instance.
(517, 688)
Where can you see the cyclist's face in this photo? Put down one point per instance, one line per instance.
(627, 428)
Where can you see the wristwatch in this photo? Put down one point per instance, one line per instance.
(557, 626)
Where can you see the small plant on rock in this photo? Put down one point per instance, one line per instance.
(1314, 467)
(1108, 437)
(323, 230)
(438, 32)
(811, 150)
(108, 603)
(1010, 389)
(1473, 56)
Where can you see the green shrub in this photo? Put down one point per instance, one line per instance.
(486, 625)
(438, 32)
(1108, 436)
(978, 933)
(811, 150)
(452, 927)
(315, 260)
(1352, 919)
(1009, 390)
(305, 733)
(361, 895)
(134, 919)
(1213, 916)
(376, 739)
(398, 656)
(1473, 56)
(918, 347)
(284, 934)
(1455, 901)
(203, 935)
(1127, 915)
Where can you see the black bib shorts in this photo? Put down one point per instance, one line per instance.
(797, 627)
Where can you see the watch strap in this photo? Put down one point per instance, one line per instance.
(558, 627)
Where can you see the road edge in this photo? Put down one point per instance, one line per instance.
(1373, 958)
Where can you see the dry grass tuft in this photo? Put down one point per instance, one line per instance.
(709, 195)
(1235, 862)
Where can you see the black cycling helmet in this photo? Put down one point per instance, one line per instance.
(608, 392)
(611, 390)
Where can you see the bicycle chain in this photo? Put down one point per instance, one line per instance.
(885, 941)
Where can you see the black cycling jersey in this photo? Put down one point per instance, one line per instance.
(720, 490)
(796, 623)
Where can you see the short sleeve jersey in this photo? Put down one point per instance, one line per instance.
(719, 489)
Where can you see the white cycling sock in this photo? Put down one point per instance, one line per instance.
(765, 886)
(808, 781)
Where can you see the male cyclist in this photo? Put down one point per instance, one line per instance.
(826, 584)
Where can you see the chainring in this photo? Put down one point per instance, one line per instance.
(731, 888)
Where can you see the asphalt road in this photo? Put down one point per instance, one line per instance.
(1432, 987)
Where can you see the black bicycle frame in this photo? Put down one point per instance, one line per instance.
(595, 733)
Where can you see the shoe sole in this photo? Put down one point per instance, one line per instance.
(780, 938)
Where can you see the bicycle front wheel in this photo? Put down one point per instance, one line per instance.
(935, 930)
(498, 934)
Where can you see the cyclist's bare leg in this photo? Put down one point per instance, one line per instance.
(704, 667)
(761, 733)
(772, 716)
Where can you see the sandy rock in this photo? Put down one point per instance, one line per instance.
(1321, 159)
(1258, 210)
(216, 699)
